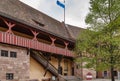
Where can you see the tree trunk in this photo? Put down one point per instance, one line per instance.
(112, 64)
(112, 73)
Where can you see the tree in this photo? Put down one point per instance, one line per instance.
(101, 40)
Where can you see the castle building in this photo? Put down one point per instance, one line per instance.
(34, 46)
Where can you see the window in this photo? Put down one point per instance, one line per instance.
(9, 76)
(13, 54)
(105, 73)
(40, 24)
(78, 66)
(4, 53)
(115, 73)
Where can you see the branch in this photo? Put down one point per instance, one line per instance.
(104, 19)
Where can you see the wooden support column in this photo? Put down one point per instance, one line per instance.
(28, 51)
(10, 26)
(47, 66)
(53, 40)
(35, 35)
(46, 69)
(66, 45)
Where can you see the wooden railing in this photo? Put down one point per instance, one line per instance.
(25, 42)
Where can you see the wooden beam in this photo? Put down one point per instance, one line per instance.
(53, 40)
(35, 35)
(10, 26)
(66, 45)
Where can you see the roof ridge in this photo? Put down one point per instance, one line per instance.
(68, 32)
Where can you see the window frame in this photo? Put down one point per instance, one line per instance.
(9, 76)
(13, 54)
(4, 53)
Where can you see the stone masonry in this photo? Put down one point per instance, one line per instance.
(19, 66)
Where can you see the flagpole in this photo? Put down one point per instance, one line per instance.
(64, 11)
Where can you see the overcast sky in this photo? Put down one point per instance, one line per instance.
(76, 10)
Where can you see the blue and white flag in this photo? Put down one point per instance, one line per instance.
(60, 4)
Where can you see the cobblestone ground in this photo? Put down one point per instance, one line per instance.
(101, 80)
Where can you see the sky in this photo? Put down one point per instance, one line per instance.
(75, 11)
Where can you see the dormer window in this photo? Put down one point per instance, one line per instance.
(38, 23)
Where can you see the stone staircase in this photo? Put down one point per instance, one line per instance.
(69, 78)
(33, 80)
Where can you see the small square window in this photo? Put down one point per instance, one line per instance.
(4, 53)
(13, 54)
(9, 76)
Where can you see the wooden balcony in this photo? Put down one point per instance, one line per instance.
(25, 42)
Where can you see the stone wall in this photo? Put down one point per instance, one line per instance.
(37, 71)
(19, 66)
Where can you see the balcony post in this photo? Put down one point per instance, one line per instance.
(66, 48)
(53, 41)
(10, 26)
(35, 35)
(66, 45)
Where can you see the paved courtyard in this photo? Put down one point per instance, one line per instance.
(101, 80)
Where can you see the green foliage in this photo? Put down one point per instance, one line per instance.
(99, 44)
